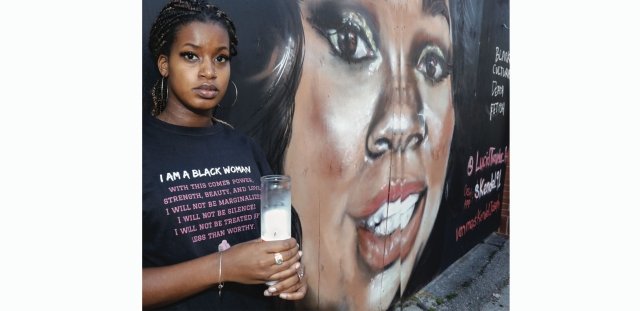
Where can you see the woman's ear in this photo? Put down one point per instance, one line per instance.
(163, 65)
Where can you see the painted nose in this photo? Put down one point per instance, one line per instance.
(398, 123)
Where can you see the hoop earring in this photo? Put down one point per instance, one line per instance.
(236, 87)
(162, 90)
(235, 100)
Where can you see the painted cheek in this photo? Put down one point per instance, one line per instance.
(441, 97)
(348, 109)
(324, 125)
(437, 158)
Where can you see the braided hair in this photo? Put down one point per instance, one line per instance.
(174, 15)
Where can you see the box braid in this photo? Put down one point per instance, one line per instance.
(174, 15)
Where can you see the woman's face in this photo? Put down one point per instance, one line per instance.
(370, 143)
(197, 68)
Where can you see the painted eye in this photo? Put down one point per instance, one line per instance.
(348, 31)
(432, 64)
(349, 43)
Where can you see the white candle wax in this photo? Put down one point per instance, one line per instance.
(276, 224)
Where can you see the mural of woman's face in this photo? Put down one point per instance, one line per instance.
(370, 144)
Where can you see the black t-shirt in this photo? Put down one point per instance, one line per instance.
(201, 189)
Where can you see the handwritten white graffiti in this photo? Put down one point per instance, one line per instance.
(500, 71)
(496, 108)
(497, 89)
(502, 55)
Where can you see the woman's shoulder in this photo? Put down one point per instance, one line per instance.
(248, 142)
(236, 134)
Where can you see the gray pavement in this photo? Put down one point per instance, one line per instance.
(479, 280)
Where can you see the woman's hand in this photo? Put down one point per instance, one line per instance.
(292, 284)
(255, 261)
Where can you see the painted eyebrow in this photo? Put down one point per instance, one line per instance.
(436, 7)
(334, 9)
(433, 8)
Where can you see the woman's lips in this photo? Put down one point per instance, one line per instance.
(389, 228)
(206, 91)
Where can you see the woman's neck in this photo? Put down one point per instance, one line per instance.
(186, 119)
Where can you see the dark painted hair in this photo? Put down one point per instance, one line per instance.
(273, 73)
(172, 17)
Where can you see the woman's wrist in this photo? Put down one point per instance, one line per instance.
(220, 279)
(222, 262)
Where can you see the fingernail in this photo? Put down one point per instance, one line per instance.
(283, 296)
(272, 289)
(300, 253)
(297, 265)
(267, 293)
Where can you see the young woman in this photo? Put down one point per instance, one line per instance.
(201, 180)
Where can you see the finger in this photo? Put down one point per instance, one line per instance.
(299, 294)
(272, 262)
(288, 285)
(296, 251)
(286, 265)
(292, 254)
(280, 245)
(291, 270)
(294, 288)
(291, 283)
(280, 261)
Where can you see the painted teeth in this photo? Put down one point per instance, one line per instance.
(391, 217)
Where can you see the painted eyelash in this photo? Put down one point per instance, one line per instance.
(342, 23)
(432, 51)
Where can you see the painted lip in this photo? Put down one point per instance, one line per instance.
(378, 245)
(207, 91)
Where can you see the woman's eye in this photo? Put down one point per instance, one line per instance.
(349, 43)
(222, 58)
(432, 64)
(190, 56)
